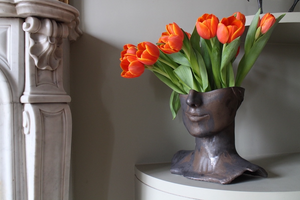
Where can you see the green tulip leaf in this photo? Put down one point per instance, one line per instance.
(169, 71)
(179, 58)
(169, 83)
(174, 103)
(186, 77)
(250, 37)
(186, 43)
(230, 75)
(194, 63)
(206, 52)
(215, 58)
(228, 54)
(203, 73)
(167, 60)
(195, 40)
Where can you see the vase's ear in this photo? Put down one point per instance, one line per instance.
(239, 93)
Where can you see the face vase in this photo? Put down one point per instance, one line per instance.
(210, 117)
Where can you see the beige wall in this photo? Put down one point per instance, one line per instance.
(119, 122)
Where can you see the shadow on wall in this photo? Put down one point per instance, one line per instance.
(271, 110)
(93, 137)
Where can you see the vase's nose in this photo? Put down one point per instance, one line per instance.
(194, 99)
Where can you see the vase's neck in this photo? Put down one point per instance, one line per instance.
(220, 142)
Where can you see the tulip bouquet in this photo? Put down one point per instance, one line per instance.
(201, 61)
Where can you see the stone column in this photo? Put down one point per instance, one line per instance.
(12, 168)
(46, 117)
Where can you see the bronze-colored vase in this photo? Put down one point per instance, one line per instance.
(210, 117)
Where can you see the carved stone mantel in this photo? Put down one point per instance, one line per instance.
(35, 118)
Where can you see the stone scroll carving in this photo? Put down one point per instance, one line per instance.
(45, 41)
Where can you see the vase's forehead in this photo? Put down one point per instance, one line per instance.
(229, 97)
(231, 92)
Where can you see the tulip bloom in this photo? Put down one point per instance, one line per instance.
(229, 29)
(266, 22)
(174, 29)
(132, 68)
(240, 16)
(147, 53)
(172, 40)
(207, 25)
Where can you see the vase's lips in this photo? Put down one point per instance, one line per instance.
(194, 117)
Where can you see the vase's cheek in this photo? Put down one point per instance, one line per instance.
(222, 120)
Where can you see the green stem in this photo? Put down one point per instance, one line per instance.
(224, 71)
(168, 63)
(215, 58)
(186, 52)
(157, 70)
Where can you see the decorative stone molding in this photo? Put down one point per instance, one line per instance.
(35, 118)
(26, 122)
(47, 122)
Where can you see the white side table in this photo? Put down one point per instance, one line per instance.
(154, 181)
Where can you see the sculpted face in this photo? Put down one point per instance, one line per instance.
(206, 114)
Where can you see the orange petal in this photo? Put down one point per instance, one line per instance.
(214, 25)
(175, 43)
(267, 24)
(203, 17)
(136, 68)
(203, 31)
(124, 64)
(127, 74)
(166, 49)
(222, 33)
(240, 16)
(152, 49)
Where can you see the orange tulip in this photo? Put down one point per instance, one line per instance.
(172, 40)
(147, 53)
(240, 16)
(229, 29)
(266, 22)
(132, 68)
(207, 25)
